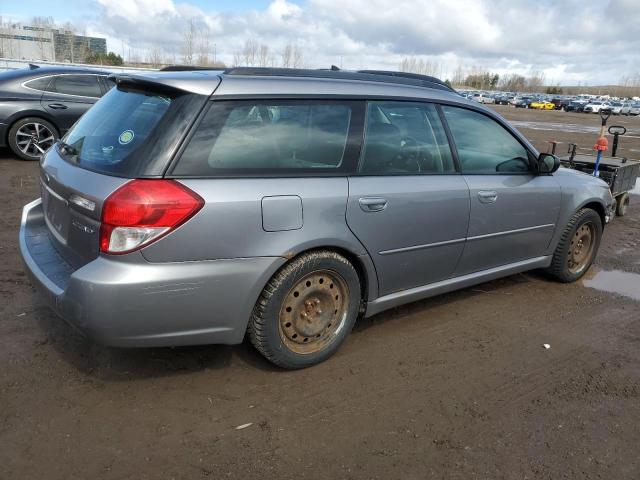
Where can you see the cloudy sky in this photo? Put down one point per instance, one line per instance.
(571, 41)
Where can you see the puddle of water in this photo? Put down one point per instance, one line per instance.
(616, 281)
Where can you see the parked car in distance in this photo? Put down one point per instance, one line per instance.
(561, 103)
(523, 102)
(596, 107)
(39, 104)
(620, 108)
(483, 98)
(172, 212)
(576, 106)
(634, 109)
(542, 105)
(502, 99)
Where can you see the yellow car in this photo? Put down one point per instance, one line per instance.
(542, 105)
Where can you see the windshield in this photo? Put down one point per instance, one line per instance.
(115, 135)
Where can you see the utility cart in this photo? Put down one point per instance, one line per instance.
(620, 173)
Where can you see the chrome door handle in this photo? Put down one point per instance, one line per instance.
(58, 106)
(486, 196)
(372, 204)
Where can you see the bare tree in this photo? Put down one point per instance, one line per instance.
(458, 76)
(250, 52)
(263, 55)
(298, 57)
(188, 41)
(204, 46)
(237, 58)
(418, 65)
(68, 50)
(155, 57)
(43, 27)
(287, 55)
(535, 82)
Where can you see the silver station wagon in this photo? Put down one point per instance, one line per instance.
(200, 207)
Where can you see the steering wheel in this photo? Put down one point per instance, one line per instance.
(519, 165)
(411, 154)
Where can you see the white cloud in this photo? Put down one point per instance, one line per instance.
(570, 40)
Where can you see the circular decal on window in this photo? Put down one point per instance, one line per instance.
(125, 137)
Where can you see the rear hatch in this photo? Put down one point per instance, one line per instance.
(132, 132)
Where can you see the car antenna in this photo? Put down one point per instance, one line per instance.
(335, 68)
(33, 66)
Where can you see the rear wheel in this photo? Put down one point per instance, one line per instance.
(306, 310)
(577, 247)
(30, 137)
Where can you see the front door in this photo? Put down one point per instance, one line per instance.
(407, 205)
(513, 211)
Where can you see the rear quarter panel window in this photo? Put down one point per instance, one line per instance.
(38, 83)
(243, 137)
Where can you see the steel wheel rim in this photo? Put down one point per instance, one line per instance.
(33, 139)
(313, 312)
(581, 248)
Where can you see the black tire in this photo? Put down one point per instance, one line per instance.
(622, 202)
(560, 264)
(33, 151)
(268, 332)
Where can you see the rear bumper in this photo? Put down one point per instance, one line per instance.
(129, 302)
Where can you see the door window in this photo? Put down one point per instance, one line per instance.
(484, 146)
(403, 138)
(80, 85)
(272, 136)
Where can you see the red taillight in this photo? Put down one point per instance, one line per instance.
(142, 211)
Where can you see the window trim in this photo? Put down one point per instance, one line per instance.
(530, 157)
(350, 155)
(53, 75)
(24, 84)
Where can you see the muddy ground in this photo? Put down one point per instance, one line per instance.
(458, 386)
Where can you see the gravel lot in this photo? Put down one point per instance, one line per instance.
(458, 386)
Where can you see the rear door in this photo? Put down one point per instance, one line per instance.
(69, 96)
(513, 211)
(407, 204)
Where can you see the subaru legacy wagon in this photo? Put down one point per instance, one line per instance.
(200, 207)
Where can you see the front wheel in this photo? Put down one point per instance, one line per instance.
(306, 310)
(622, 202)
(577, 247)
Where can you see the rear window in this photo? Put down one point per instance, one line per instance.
(243, 137)
(126, 131)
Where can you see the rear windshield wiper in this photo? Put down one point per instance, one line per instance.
(66, 148)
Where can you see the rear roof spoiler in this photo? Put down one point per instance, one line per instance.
(201, 83)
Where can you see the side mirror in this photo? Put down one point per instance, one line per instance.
(547, 163)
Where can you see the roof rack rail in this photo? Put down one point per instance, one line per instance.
(415, 76)
(185, 68)
(363, 75)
